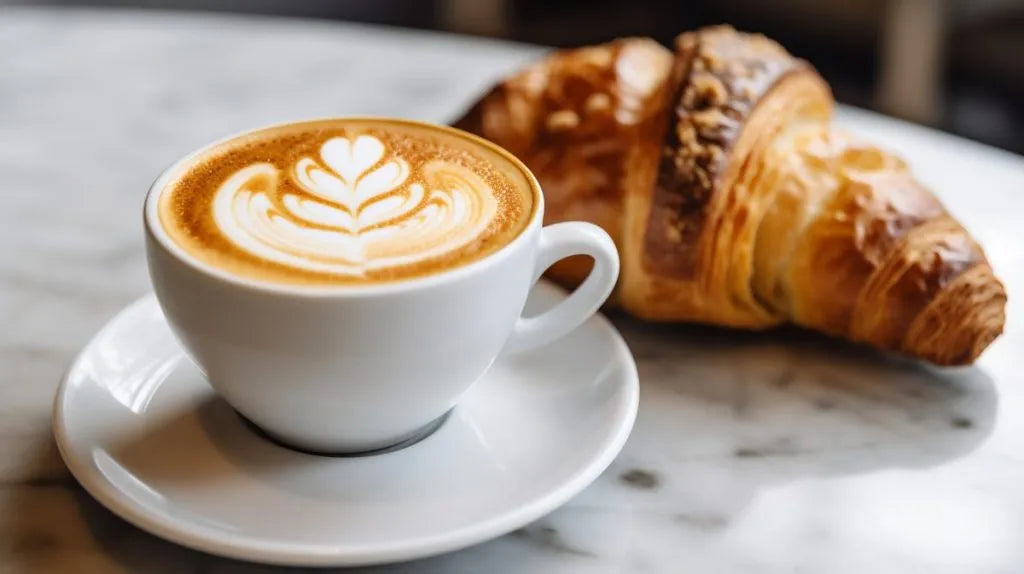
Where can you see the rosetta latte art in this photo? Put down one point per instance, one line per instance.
(360, 209)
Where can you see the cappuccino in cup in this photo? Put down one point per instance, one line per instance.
(342, 282)
(345, 202)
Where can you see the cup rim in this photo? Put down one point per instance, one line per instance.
(154, 228)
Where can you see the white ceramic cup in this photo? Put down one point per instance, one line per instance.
(359, 368)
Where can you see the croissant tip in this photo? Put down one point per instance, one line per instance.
(962, 321)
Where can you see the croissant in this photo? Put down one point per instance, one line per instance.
(734, 201)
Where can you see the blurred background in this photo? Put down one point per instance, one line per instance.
(956, 65)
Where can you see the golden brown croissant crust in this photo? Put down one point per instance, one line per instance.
(590, 120)
(736, 93)
(733, 200)
(880, 261)
(724, 75)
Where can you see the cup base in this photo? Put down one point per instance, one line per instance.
(403, 442)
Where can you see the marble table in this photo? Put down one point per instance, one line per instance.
(783, 452)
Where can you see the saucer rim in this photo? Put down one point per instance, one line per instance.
(266, 551)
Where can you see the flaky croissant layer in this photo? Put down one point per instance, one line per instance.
(734, 201)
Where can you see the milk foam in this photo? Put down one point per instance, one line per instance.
(363, 209)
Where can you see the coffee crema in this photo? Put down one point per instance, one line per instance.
(346, 201)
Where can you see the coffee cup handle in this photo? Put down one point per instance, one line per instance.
(557, 242)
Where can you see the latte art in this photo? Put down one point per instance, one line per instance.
(344, 201)
(361, 209)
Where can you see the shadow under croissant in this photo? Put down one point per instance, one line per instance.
(789, 392)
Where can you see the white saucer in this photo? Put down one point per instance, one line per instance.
(146, 436)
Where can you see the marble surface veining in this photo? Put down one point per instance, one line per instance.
(781, 452)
